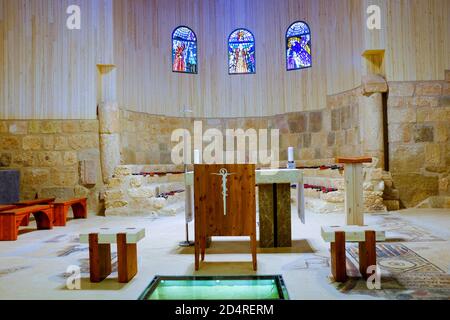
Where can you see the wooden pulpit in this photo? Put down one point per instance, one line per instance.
(224, 204)
(354, 178)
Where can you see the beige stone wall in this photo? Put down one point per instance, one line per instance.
(61, 157)
(419, 144)
(57, 158)
(344, 129)
(418, 120)
(145, 138)
(317, 136)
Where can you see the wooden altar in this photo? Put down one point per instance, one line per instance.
(224, 197)
(274, 203)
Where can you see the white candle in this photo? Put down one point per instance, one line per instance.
(196, 156)
(291, 154)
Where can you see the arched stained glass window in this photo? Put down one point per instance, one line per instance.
(184, 50)
(241, 52)
(298, 46)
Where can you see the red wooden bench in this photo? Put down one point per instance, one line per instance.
(79, 208)
(34, 202)
(11, 219)
(4, 207)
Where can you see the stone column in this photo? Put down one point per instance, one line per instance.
(371, 117)
(274, 215)
(109, 124)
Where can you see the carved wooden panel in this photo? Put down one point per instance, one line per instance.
(240, 216)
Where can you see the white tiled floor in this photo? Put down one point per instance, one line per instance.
(33, 268)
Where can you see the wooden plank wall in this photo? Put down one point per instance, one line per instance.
(46, 70)
(143, 40)
(49, 72)
(416, 37)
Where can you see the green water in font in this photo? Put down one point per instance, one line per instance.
(212, 289)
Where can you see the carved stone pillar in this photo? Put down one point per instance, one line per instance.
(371, 117)
(109, 124)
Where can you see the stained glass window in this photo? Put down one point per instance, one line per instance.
(298, 46)
(184, 50)
(241, 52)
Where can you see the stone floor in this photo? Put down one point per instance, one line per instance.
(414, 260)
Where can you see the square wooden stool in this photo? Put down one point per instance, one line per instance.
(366, 237)
(100, 241)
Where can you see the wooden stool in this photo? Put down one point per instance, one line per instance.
(100, 241)
(364, 235)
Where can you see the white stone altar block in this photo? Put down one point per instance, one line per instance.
(189, 203)
(352, 233)
(354, 202)
(109, 235)
(266, 176)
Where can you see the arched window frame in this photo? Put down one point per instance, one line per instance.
(228, 51)
(288, 36)
(187, 40)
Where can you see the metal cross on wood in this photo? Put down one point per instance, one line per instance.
(224, 174)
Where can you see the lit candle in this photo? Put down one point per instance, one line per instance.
(291, 154)
(196, 156)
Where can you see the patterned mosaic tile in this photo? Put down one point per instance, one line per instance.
(405, 275)
(397, 258)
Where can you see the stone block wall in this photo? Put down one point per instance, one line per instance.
(61, 158)
(343, 132)
(56, 158)
(317, 136)
(419, 144)
(145, 138)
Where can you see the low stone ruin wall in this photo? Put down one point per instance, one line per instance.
(145, 190)
(375, 181)
(159, 190)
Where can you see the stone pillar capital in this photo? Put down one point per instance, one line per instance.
(373, 83)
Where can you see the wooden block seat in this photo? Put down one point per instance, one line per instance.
(366, 237)
(61, 208)
(34, 202)
(11, 219)
(100, 241)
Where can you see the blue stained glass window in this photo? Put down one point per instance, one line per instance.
(184, 50)
(298, 46)
(241, 52)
